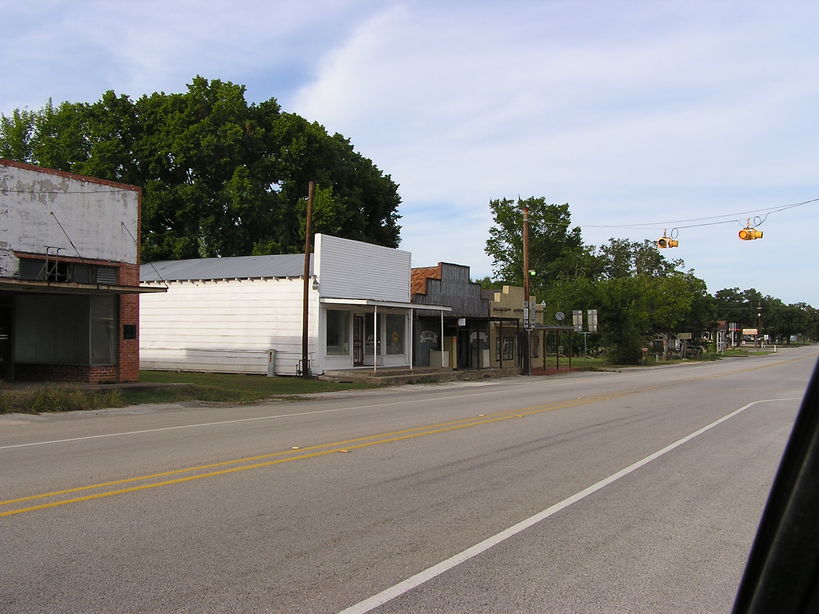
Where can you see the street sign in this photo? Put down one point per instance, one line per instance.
(592, 316)
(577, 319)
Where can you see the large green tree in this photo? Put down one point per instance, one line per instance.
(626, 258)
(556, 251)
(786, 321)
(635, 309)
(640, 295)
(15, 135)
(751, 309)
(220, 176)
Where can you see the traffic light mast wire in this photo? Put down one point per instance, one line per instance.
(767, 211)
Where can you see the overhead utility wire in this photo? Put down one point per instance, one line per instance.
(158, 274)
(713, 217)
(66, 234)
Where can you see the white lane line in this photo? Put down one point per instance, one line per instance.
(238, 420)
(444, 566)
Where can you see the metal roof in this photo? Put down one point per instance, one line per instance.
(236, 267)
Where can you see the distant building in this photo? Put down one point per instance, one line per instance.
(463, 333)
(507, 334)
(244, 314)
(69, 275)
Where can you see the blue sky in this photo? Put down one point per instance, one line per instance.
(640, 115)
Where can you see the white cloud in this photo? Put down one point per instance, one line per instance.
(638, 114)
(630, 111)
(75, 50)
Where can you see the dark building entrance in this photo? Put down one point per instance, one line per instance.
(6, 340)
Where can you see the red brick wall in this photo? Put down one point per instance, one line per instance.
(127, 367)
(128, 314)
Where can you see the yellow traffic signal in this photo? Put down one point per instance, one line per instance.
(664, 242)
(749, 234)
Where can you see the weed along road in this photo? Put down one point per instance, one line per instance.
(632, 491)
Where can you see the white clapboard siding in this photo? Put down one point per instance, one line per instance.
(230, 325)
(225, 326)
(352, 269)
(220, 361)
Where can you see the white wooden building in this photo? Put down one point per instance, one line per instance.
(244, 314)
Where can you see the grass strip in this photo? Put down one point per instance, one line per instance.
(168, 387)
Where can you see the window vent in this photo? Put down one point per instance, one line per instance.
(107, 275)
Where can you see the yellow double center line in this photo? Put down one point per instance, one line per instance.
(198, 472)
(210, 470)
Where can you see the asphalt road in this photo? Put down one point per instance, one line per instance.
(636, 491)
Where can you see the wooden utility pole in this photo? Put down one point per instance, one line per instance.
(527, 315)
(305, 368)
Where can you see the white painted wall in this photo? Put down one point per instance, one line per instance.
(352, 269)
(36, 203)
(226, 326)
(230, 325)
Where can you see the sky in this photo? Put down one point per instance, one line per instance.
(648, 118)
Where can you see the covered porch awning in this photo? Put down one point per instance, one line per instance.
(9, 285)
(388, 304)
(375, 304)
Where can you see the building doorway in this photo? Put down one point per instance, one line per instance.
(358, 341)
(6, 341)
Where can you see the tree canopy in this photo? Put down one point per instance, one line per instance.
(640, 295)
(220, 176)
(556, 251)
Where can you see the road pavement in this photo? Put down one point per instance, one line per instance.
(636, 491)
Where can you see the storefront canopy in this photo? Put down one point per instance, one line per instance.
(389, 304)
(29, 286)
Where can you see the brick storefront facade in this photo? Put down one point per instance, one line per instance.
(69, 276)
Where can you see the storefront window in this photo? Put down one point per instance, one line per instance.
(338, 332)
(505, 348)
(372, 342)
(102, 330)
(66, 329)
(395, 333)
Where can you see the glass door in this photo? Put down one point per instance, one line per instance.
(358, 341)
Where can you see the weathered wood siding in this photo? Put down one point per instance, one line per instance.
(455, 290)
(226, 326)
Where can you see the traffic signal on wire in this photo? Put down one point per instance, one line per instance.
(664, 242)
(749, 234)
